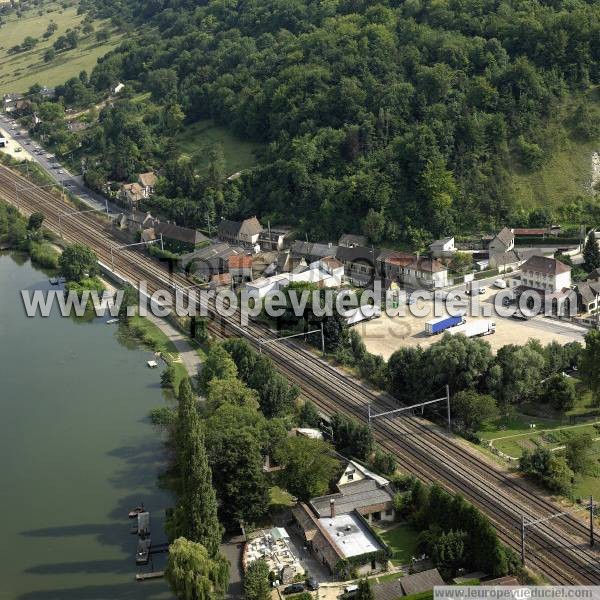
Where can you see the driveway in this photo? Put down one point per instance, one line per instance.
(232, 550)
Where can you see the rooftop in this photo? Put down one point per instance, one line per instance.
(349, 535)
(353, 496)
(545, 265)
(240, 261)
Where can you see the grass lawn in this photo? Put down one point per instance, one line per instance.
(280, 498)
(387, 577)
(19, 71)
(153, 337)
(402, 541)
(197, 140)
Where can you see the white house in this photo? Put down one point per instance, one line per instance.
(504, 241)
(543, 273)
(442, 248)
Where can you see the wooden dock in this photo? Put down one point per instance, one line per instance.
(151, 575)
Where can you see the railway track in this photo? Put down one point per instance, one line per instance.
(557, 549)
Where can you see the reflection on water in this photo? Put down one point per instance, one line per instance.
(77, 453)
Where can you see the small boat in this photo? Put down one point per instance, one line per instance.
(111, 321)
(152, 364)
(53, 281)
(133, 513)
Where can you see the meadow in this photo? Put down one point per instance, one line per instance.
(19, 71)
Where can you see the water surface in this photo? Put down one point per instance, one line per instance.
(77, 453)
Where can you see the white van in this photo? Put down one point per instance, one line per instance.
(500, 283)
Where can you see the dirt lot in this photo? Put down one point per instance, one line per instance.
(386, 334)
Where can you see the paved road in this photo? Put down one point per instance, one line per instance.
(49, 163)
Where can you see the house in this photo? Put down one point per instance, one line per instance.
(132, 194)
(77, 126)
(442, 248)
(588, 296)
(47, 92)
(283, 263)
(504, 241)
(117, 88)
(240, 267)
(529, 231)
(148, 235)
(360, 264)
(244, 232)
(179, 239)
(148, 182)
(336, 540)
(137, 221)
(220, 281)
(210, 260)
(351, 240)
(273, 239)
(330, 265)
(311, 251)
(412, 271)
(417, 583)
(359, 490)
(9, 102)
(505, 260)
(543, 273)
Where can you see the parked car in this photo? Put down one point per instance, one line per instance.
(312, 584)
(478, 290)
(295, 588)
(520, 315)
(500, 283)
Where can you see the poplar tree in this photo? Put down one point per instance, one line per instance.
(196, 515)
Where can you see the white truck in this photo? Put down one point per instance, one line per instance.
(475, 328)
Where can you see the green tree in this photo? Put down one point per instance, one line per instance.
(472, 410)
(218, 365)
(233, 391)
(591, 253)
(588, 364)
(256, 581)
(77, 262)
(364, 591)
(193, 574)
(129, 301)
(405, 367)
(579, 454)
(351, 438)
(308, 415)
(196, 514)
(308, 466)
(384, 462)
(35, 221)
(559, 391)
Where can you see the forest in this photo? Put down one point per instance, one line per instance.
(402, 120)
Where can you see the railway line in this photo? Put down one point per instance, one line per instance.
(557, 549)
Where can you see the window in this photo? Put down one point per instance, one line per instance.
(350, 476)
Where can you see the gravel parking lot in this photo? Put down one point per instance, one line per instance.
(387, 334)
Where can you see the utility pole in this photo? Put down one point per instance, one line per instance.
(322, 340)
(523, 540)
(448, 408)
(591, 521)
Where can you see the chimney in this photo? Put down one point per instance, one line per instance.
(332, 508)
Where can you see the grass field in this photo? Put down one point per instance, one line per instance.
(402, 541)
(197, 140)
(19, 71)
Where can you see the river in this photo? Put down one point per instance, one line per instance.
(77, 453)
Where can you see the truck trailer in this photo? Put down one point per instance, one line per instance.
(440, 324)
(475, 328)
(362, 313)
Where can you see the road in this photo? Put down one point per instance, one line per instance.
(557, 549)
(53, 168)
